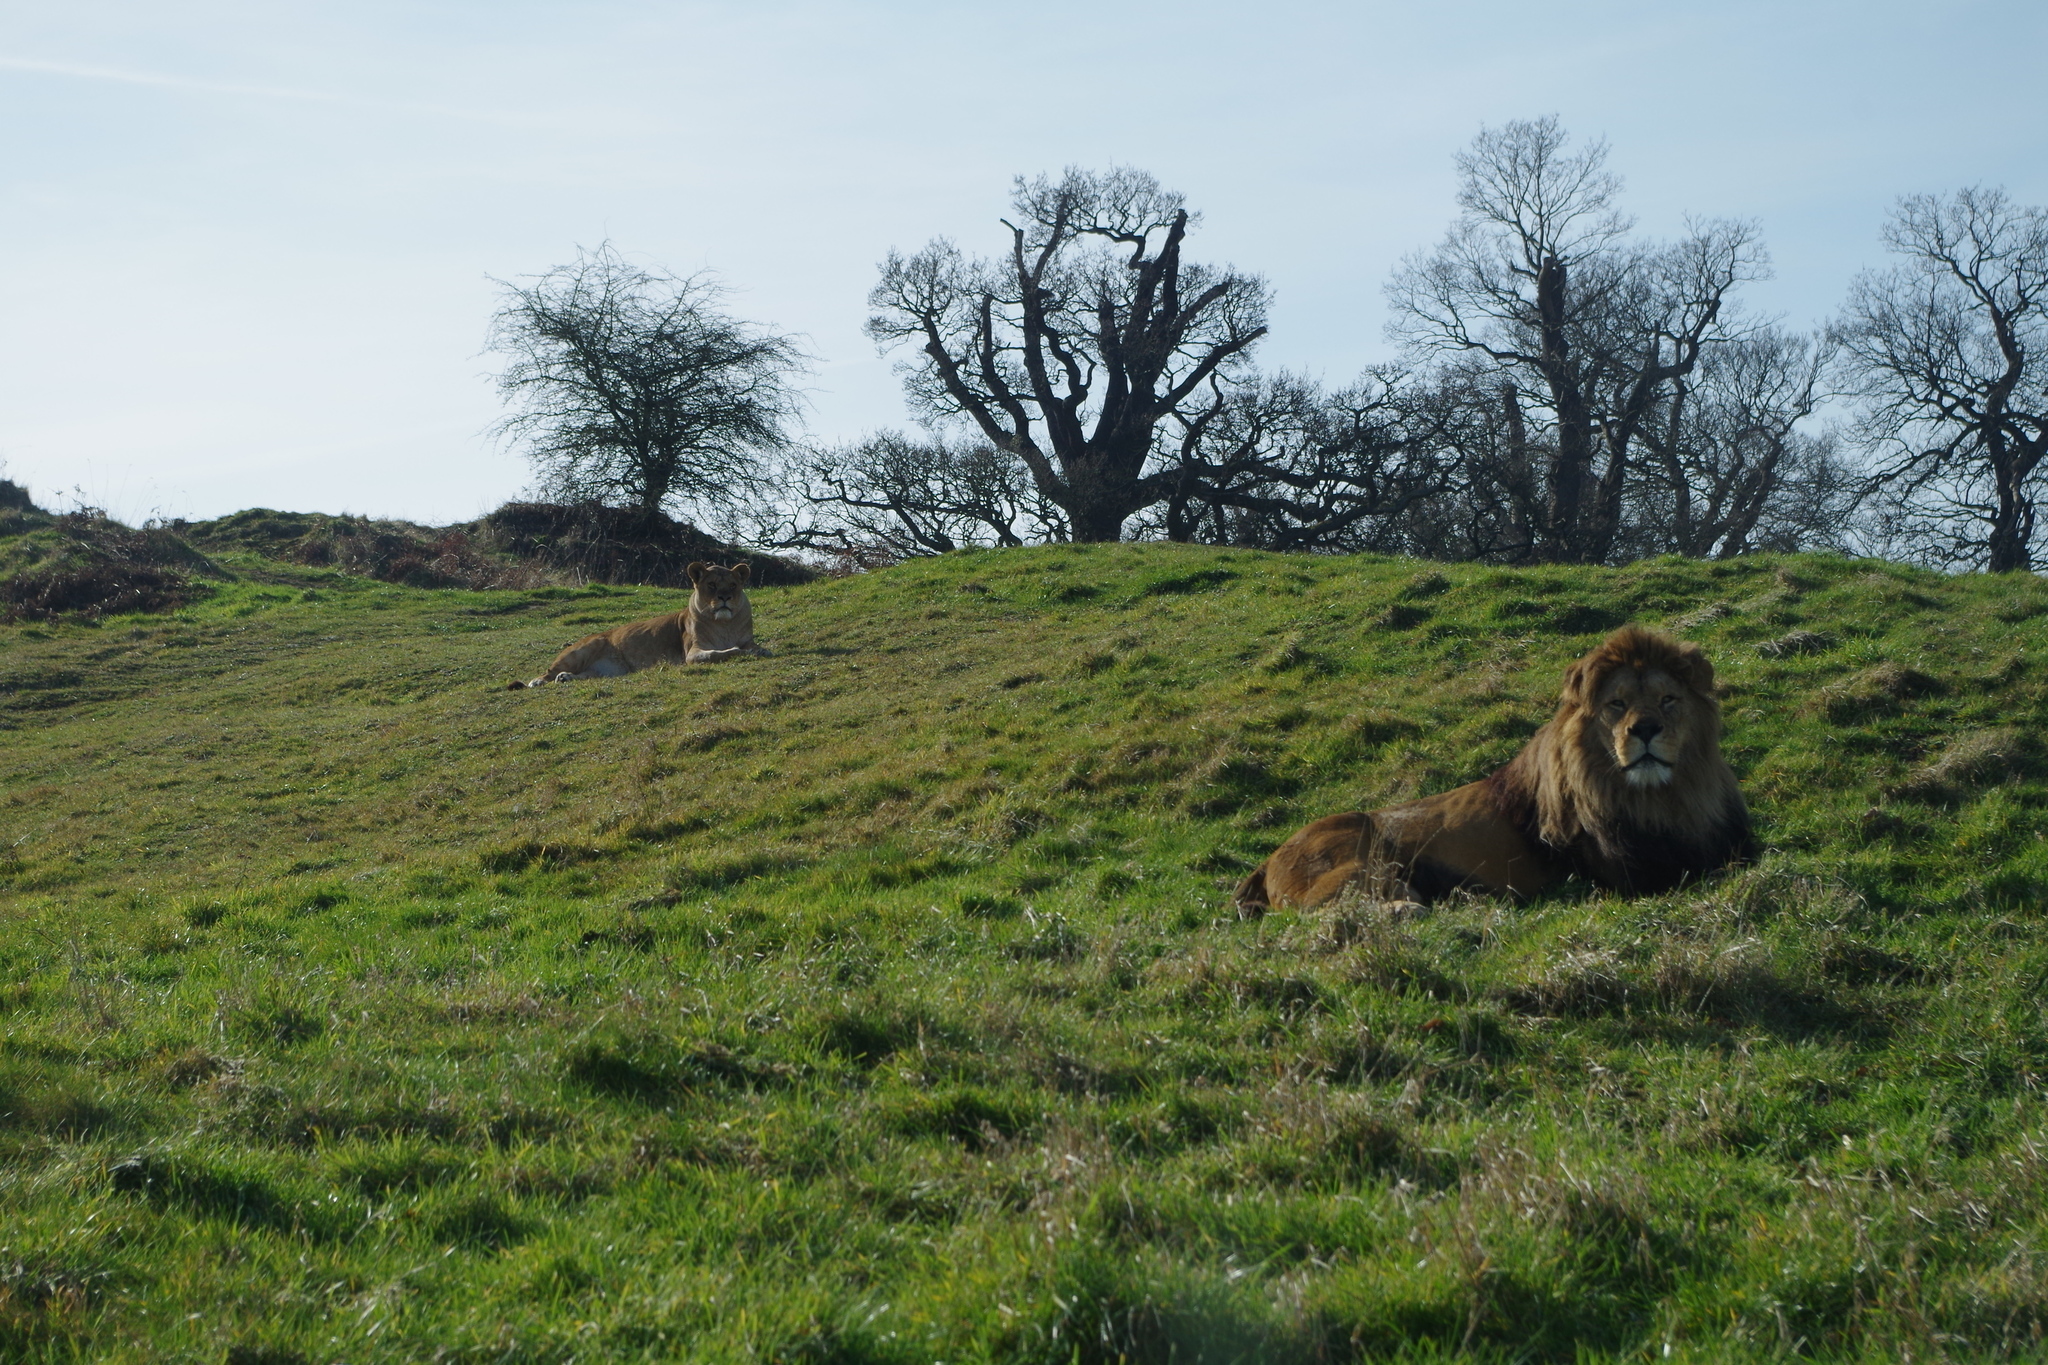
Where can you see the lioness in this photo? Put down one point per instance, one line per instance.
(1624, 786)
(721, 619)
(717, 624)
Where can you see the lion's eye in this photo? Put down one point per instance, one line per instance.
(1671, 703)
(1616, 706)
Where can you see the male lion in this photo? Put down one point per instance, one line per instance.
(718, 624)
(1625, 786)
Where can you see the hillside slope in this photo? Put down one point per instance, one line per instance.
(878, 1000)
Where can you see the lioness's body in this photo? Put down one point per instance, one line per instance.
(1625, 786)
(720, 619)
(718, 624)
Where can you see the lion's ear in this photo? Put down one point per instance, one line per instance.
(1693, 668)
(696, 570)
(741, 570)
(1577, 683)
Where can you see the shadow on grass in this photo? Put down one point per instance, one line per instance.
(204, 1189)
(973, 1118)
(652, 1069)
(1105, 1310)
(1689, 988)
(57, 1109)
(868, 1035)
(479, 1222)
(274, 1115)
(45, 1300)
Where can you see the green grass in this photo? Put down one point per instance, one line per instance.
(879, 1001)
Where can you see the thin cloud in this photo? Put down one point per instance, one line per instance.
(77, 71)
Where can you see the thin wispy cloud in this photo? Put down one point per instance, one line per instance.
(158, 80)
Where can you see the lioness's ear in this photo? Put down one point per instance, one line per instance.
(696, 570)
(741, 570)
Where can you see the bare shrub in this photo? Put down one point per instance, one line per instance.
(95, 590)
(102, 568)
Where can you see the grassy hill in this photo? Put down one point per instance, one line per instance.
(879, 1001)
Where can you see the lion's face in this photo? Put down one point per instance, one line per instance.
(718, 592)
(1645, 721)
(1647, 706)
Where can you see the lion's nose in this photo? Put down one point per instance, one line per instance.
(1646, 730)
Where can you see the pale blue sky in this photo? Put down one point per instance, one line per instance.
(244, 246)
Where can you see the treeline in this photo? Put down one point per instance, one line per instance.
(1566, 391)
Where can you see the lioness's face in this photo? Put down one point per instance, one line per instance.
(718, 591)
(1646, 719)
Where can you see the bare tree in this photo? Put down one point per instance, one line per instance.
(1283, 465)
(1585, 330)
(1727, 467)
(1724, 465)
(630, 387)
(892, 496)
(1493, 498)
(1949, 353)
(1070, 352)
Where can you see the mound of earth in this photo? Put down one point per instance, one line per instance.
(18, 512)
(619, 545)
(389, 551)
(521, 545)
(86, 564)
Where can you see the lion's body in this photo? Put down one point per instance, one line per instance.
(718, 624)
(1624, 786)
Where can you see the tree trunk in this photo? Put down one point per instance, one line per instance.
(2012, 523)
(1101, 490)
(1098, 513)
(1520, 479)
(1574, 428)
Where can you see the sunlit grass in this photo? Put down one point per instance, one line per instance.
(879, 1000)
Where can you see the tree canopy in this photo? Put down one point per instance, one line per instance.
(1071, 350)
(629, 386)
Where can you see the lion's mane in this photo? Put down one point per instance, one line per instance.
(1581, 807)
